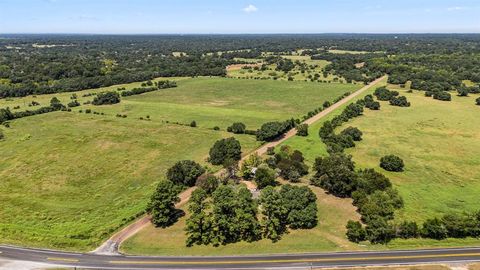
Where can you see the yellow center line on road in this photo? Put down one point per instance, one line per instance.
(298, 260)
(61, 259)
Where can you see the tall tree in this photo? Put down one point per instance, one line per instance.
(199, 224)
(162, 204)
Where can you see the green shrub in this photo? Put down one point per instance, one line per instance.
(392, 163)
(185, 172)
(237, 128)
(355, 232)
(106, 98)
(302, 130)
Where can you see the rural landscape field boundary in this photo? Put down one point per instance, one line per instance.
(111, 246)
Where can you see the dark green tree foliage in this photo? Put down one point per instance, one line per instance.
(2, 136)
(435, 229)
(392, 163)
(285, 65)
(408, 229)
(442, 95)
(249, 228)
(301, 206)
(463, 91)
(199, 225)
(274, 214)
(353, 110)
(237, 128)
(207, 182)
(234, 216)
(264, 177)
(158, 85)
(326, 130)
(355, 232)
(380, 204)
(56, 104)
(185, 172)
(193, 124)
(6, 115)
(225, 149)
(73, 103)
(477, 101)
(335, 174)
(291, 164)
(106, 98)
(302, 130)
(162, 204)
(272, 130)
(380, 231)
(400, 101)
(353, 132)
(382, 93)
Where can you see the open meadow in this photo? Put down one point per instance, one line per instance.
(70, 179)
(439, 143)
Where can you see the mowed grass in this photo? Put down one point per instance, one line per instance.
(70, 179)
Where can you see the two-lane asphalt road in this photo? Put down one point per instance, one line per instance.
(291, 261)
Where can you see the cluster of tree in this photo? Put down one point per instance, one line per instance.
(382, 93)
(55, 105)
(370, 103)
(345, 65)
(82, 62)
(225, 150)
(439, 95)
(449, 226)
(347, 138)
(73, 103)
(106, 98)
(272, 130)
(371, 191)
(230, 216)
(290, 164)
(157, 86)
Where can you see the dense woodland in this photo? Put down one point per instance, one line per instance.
(39, 64)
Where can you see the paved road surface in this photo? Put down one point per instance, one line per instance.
(291, 261)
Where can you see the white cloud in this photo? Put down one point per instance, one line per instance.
(250, 8)
(455, 8)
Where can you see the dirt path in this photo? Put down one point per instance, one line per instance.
(111, 245)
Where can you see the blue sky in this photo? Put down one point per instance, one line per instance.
(239, 16)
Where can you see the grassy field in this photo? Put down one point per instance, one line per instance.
(70, 179)
(439, 142)
(212, 101)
